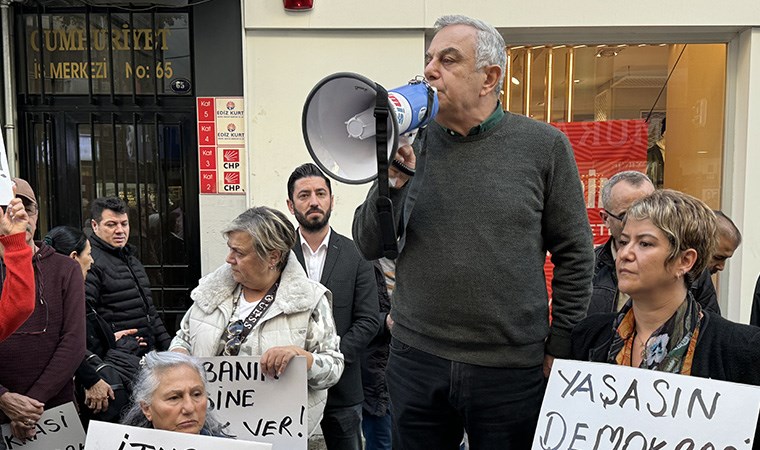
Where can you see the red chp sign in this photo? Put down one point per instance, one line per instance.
(221, 145)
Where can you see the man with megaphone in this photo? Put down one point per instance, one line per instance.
(493, 191)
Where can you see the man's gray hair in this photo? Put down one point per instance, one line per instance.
(155, 363)
(270, 229)
(489, 47)
(632, 177)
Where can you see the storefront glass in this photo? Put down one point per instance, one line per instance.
(678, 89)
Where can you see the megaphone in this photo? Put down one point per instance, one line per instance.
(340, 129)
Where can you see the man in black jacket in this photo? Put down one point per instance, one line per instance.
(117, 283)
(618, 193)
(332, 259)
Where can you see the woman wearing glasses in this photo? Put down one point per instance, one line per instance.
(39, 359)
(666, 242)
(261, 303)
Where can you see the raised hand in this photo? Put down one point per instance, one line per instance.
(14, 218)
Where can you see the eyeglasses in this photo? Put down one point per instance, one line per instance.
(47, 322)
(620, 217)
(31, 209)
(232, 339)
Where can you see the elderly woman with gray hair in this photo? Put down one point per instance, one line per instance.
(261, 303)
(170, 393)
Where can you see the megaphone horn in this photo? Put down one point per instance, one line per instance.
(339, 124)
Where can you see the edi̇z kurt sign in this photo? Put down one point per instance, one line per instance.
(221, 145)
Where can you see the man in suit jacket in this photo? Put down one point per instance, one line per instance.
(332, 259)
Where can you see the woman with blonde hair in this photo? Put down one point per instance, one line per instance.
(261, 303)
(667, 240)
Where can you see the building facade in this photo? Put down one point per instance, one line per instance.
(103, 100)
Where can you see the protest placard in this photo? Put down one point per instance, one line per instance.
(58, 429)
(111, 436)
(258, 407)
(605, 406)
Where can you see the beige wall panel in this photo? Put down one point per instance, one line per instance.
(258, 14)
(510, 13)
(282, 68)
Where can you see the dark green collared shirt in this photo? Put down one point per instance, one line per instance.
(486, 125)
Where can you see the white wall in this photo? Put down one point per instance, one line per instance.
(287, 53)
(283, 67)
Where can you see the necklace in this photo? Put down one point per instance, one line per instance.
(642, 343)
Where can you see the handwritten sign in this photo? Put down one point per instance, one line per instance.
(257, 407)
(111, 436)
(58, 429)
(604, 406)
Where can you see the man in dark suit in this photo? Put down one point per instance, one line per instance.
(332, 259)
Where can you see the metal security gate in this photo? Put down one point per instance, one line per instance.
(96, 120)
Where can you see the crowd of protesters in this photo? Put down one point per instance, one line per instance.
(455, 336)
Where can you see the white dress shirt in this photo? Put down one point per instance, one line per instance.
(315, 260)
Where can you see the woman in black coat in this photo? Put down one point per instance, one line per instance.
(667, 241)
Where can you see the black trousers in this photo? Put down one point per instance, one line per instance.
(434, 400)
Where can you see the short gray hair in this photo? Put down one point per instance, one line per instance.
(632, 177)
(270, 229)
(490, 48)
(155, 363)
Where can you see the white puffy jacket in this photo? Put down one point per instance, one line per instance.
(301, 315)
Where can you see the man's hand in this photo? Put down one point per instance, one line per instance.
(405, 155)
(96, 398)
(389, 322)
(120, 334)
(548, 362)
(14, 219)
(275, 360)
(21, 408)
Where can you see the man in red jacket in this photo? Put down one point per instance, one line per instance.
(40, 358)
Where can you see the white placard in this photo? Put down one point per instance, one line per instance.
(605, 406)
(111, 436)
(59, 428)
(258, 407)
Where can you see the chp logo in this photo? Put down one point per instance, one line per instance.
(232, 182)
(231, 127)
(232, 155)
(231, 161)
(230, 105)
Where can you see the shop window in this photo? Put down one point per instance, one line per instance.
(675, 88)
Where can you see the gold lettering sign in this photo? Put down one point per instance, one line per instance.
(121, 39)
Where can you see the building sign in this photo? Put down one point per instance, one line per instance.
(221, 145)
(140, 53)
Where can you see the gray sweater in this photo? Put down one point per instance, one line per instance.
(470, 283)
